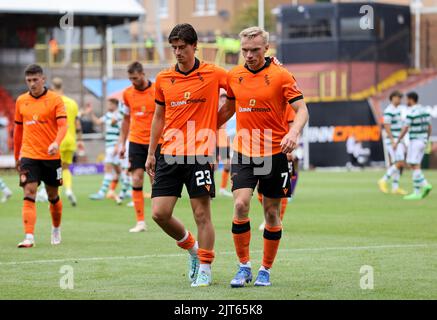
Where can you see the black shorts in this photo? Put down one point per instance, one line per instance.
(271, 174)
(171, 177)
(48, 171)
(223, 153)
(138, 155)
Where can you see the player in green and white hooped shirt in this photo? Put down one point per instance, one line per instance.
(393, 125)
(6, 192)
(418, 125)
(112, 122)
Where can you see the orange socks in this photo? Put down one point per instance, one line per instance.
(138, 199)
(29, 215)
(56, 211)
(113, 185)
(241, 235)
(272, 237)
(205, 256)
(225, 177)
(187, 242)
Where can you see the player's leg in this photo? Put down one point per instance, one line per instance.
(138, 199)
(416, 150)
(383, 182)
(30, 173)
(115, 165)
(399, 164)
(55, 212)
(137, 160)
(274, 186)
(241, 234)
(67, 160)
(206, 237)
(118, 173)
(6, 192)
(52, 177)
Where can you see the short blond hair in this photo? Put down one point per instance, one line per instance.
(253, 32)
(57, 83)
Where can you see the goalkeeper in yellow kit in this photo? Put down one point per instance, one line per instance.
(72, 140)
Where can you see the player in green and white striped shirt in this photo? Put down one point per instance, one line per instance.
(111, 120)
(418, 125)
(393, 124)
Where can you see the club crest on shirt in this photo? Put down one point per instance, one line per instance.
(172, 80)
(187, 95)
(35, 117)
(252, 102)
(240, 80)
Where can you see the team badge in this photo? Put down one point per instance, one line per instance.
(240, 80)
(23, 178)
(285, 191)
(252, 102)
(35, 117)
(187, 95)
(208, 187)
(143, 108)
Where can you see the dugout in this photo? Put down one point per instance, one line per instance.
(332, 32)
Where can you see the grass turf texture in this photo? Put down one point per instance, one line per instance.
(337, 223)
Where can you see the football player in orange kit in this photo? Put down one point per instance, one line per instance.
(139, 100)
(187, 96)
(262, 91)
(40, 127)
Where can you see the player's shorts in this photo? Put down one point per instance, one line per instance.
(110, 157)
(48, 171)
(223, 153)
(398, 154)
(416, 150)
(272, 175)
(138, 155)
(170, 178)
(67, 156)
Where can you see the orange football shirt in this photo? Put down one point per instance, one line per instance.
(262, 99)
(38, 116)
(190, 101)
(141, 107)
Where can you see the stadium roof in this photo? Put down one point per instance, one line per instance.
(86, 12)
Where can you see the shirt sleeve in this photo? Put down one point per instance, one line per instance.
(18, 116)
(290, 90)
(159, 94)
(223, 78)
(60, 108)
(229, 93)
(126, 101)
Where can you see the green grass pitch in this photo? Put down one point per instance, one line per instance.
(338, 223)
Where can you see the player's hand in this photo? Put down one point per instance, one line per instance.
(150, 165)
(123, 151)
(395, 145)
(116, 150)
(53, 149)
(18, 165)
(275, 61)
(289, 142)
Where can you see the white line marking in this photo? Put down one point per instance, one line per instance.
(358, 248)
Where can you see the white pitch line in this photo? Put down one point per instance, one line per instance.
(358, 248)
